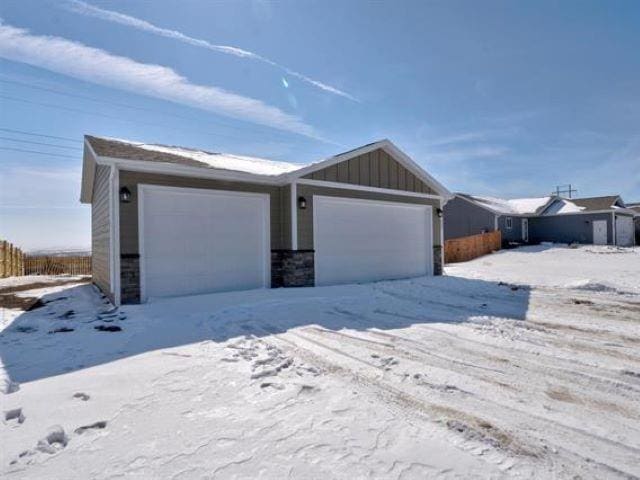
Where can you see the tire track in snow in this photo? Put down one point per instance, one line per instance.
(545, 424)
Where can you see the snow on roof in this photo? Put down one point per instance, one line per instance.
(225, 161)
(562, 205)
(516, 206)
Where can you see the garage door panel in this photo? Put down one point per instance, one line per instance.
(361, 240)
(203, 241)
(624, 231)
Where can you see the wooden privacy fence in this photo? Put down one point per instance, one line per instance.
(468, 248)
(47, 265)
(11, 260)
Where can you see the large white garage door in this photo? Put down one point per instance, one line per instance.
(624, 231)
(196, 241)
(364, 240)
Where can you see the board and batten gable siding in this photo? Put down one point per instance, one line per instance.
(373, 169)
(280, 205)
(568, 228)
(101, 230)
(305, 216)
(463, 218)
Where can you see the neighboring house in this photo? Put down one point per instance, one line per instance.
(635, 206)
(175, 221)
(595, 220)
(466, 215)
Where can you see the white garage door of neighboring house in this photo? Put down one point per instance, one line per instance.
(364, 240)
(624, 231)
(198, 241)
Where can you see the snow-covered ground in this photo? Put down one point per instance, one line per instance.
(524, 364)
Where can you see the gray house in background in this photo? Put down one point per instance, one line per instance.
(466, 215)
(595, 220)
(635, 206)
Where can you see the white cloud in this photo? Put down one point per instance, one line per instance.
(98, 66)
(457, 138)
(84, 8)
(466, 154)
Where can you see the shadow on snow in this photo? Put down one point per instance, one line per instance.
(29, 350)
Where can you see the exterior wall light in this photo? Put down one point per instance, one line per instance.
(302, 203)
(439, 212)
(125, 195)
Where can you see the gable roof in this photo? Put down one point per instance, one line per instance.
(561, 206)
(389, 147)
(516, 206)
(596, 203)
(200, 163)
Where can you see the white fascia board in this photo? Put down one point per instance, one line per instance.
(89, 160)
(186, 171)
(364, 188)
(388, 147)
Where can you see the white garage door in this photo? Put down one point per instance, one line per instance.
(197, 241)
(624, 231)
(363, 240)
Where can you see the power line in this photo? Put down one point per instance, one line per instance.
(33, 134)
(39, 153)
(114, 117)
(156, 111)
(40, 143)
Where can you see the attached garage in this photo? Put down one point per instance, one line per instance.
(176, 221)
(198, 241)
(365, 240)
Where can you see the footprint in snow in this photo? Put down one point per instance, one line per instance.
(108, 328)
(274, 385)
(81, 396)
(55, 440)
(62, 330)
(14, 416)
(94, 426)
(385, 362)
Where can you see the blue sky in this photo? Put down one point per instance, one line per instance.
(496, 98)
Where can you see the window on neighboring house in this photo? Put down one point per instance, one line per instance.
(509, 223)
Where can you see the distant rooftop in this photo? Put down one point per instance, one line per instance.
(596, 203)
(516, 206)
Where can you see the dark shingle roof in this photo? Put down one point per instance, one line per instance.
(595, 203)
(114, 148)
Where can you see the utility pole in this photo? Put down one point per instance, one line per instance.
(565, 190)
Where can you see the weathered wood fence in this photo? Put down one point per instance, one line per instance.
(468, 248)
(15, 263)
(57, 265)
(11, 260)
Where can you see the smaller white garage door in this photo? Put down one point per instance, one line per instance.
(199, 241)
(624, 231)
(364, 240)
